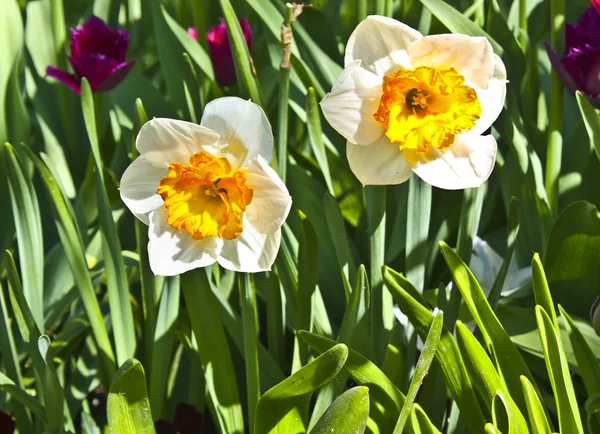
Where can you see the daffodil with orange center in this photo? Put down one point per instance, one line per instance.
(207, 191)
(412, 104)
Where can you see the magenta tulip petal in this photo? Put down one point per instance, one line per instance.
(116, 76)
(579, 67)
(219, 50)
(98, 54)
(65, 78)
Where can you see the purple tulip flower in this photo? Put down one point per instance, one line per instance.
(220, 50)
(98, 54)
(579, 68)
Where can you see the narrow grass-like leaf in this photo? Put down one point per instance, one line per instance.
(538, 421)
(348, 413)
(491, 429)
(541, 291)
(23, 397)
(569, 420)
(71, 241)
(336, 225)
(511, 363)
(284, 407)
(592, 408)
(251, 339)
(192, 90)
(24, 318)
(117, 283)
(486, 379)
(586, 361)
(513, 231)
(128, 406)
(164, 342)
(591, 121)
(151, 286)
(54, 397)
(356, 311)
(244, 67)
(10, 362)
(314, 132)
(382, 316)
(456, 22)
(308, 265)
(193, 48)
(366, 373)
(28, 226)
(425, 359)
(421, 422)
(213, 350)
(448, 355)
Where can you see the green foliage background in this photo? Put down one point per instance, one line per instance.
(312, 346)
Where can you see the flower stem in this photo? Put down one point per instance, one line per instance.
(250, 327)
(555, 141)
(417, 231)
(523, 24)
(381, 301)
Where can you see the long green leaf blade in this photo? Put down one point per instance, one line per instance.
(116, 279)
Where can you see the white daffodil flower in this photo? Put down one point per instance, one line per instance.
(207, 192)
(407, 103)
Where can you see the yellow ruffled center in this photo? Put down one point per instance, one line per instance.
(205, 197)
(426, 107)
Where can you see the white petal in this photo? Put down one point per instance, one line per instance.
(350, 105)
(164, 141)
(138, 187)
(380, 163)
(271, 201)
(244, 128)
(251, 251)
(174, 251)
(381, 43)
(465, 164)
(472, 57)
(492, 98)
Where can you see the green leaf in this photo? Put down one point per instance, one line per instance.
(23, 397)
(128, 407)
(244, 69)
(572, 257)
(251, 334)
(591, 121)
(366, 373)
(448, 355)
(117, 283)
(54, 397)
(308, 266)
(569, 420)
(284, 407)
(10, 362)
(314, 132)
(486, 379)
(28, 223)
(163, 344)
(456, 22)
(213, 350)
(348, 413)
(71, 242)
(513, 231)
(510, 362)
(336, 225)
(538, 421)
(592, 408)
(425, 359)
(586, 360)
(193, 48)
